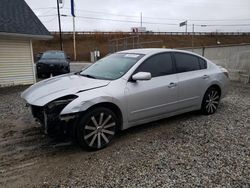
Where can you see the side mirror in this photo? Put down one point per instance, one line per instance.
(68, 58)
(142, 76)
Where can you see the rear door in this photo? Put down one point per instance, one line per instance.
(193, 79)
(153, 97)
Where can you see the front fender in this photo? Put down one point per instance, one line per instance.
(85, 100)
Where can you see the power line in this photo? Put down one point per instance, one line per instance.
(224, 25)
(127, 21)
(47, 15)
(151, 23)
(157, 18)
(224, 4)
(44, 8)
(162, 18)
(50, 20)
(46, 12)
(105, 13)
(200, 20)
(157, 23)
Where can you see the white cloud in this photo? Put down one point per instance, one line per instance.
(228, 10)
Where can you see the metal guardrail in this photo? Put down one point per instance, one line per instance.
(154, 33)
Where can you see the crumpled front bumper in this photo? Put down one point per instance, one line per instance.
(52, 123)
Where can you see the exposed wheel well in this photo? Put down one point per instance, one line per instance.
(216, 87)
(112, 107)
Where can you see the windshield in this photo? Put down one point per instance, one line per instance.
(112, 67)
(53, 55)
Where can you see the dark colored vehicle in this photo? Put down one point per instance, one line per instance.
(52, 62)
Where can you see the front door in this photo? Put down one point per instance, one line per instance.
(150, 98)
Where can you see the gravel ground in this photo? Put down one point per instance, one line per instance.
(189, 150)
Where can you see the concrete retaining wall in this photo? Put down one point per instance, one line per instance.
(235, 58)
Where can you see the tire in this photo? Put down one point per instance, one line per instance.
(97, 128)
(210, 101)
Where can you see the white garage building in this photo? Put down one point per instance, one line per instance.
(18, 27)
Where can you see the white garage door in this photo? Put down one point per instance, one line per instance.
(16, 62)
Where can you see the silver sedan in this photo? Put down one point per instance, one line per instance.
(125, 89)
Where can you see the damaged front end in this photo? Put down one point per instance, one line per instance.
(50, 119)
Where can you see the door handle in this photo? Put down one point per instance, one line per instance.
(205, 76)
(171, 85)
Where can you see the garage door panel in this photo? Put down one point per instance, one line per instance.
(16, 62)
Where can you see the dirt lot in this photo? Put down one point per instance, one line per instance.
(184, 151)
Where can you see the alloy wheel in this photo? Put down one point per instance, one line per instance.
(99, 129)
(212, 101)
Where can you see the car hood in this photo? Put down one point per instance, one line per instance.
(50, 89)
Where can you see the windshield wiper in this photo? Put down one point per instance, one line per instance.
(88, 76)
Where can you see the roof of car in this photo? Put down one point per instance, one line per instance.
(54, 51)
(17, 19)
(151, 51)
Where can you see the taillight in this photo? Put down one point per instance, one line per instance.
(225, 72)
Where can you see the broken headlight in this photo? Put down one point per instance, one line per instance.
(57, 105)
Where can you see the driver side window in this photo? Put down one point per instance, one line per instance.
(157, 65)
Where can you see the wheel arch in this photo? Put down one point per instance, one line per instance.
(213, 85)
(216, 86)
(203, 106)
(110, 106)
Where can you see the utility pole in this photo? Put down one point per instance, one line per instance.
(186, 26)
(74, 37)
(141, 19)
(193, 38)
(74, 26)
(59, 21)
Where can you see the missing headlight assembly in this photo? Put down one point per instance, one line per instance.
(49, 115)
(56, 106)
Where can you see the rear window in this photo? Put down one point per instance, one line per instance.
(53, 55)
(203, 63)
(186, 62)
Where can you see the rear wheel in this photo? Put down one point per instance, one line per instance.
(97, 128)
(210, 101)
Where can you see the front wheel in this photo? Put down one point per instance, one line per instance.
(97, 128)
(210, 101)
